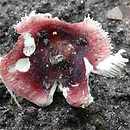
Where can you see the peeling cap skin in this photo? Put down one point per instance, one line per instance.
(49, 51)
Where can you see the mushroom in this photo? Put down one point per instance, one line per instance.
(50, 51)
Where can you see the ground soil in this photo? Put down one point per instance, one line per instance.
(111, 107)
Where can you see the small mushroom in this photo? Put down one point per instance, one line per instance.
(32, 72)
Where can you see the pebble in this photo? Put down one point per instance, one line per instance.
(115, 14)
(125, 11)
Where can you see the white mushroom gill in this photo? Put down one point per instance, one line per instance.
(112, 65)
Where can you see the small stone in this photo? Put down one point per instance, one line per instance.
(125, 11)
(115, 14)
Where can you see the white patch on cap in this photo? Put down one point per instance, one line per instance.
(23, 65)
(88, 66)
(112, 65)
(29, 45)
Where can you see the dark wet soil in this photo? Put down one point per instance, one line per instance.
(111, 109)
